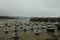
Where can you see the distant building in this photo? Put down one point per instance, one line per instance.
(45, 19)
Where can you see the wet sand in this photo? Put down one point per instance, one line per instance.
(29, 34)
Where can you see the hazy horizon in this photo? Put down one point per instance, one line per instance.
(28, 8)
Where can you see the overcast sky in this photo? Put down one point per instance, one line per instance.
(29, 8)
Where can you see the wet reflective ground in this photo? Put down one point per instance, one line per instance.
(26, 35)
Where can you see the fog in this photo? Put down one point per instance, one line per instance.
(28, 8)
